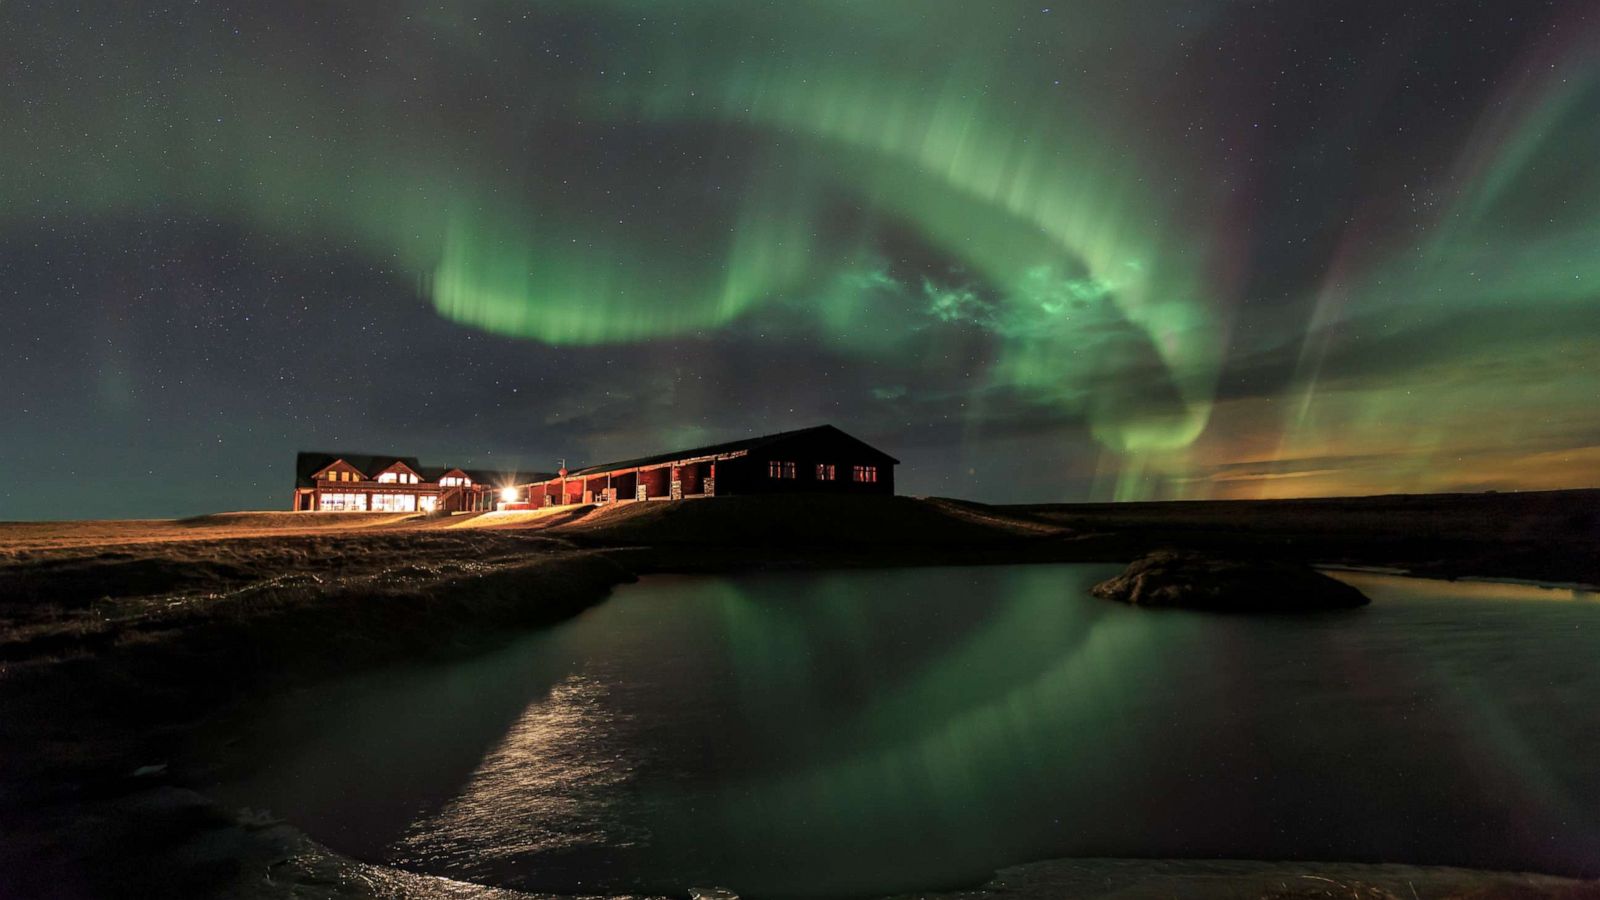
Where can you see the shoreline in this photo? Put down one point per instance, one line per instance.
(101, 687)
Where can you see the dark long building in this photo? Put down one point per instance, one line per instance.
(821, 459)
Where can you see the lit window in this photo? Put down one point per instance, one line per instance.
(825, 471)
(865, 474)
(394, 502)
(774, 469)
(387, 478)
(342, 502)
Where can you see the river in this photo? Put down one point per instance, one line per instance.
(860, 732)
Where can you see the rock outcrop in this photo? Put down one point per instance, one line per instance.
(1189, 580)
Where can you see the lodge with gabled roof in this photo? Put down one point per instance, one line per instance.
(820, 459)
(366, 482)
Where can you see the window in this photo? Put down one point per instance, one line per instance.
(780, 469)
(342, 502)
(427, 504)
(865, 474)
(825, 471)
(454, 481)
(394, 502)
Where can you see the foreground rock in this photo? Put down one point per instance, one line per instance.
(1196, 581)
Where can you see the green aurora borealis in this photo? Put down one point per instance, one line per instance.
(1159, 249)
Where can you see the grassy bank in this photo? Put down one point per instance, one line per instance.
(100, 695)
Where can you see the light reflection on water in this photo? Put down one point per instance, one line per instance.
(865, 732)
(573, 790)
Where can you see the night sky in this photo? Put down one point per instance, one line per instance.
(1124, 249)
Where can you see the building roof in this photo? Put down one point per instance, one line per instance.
(503, 478)
(731, 447)
(309, 463)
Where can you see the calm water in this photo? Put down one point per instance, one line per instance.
(862, 732)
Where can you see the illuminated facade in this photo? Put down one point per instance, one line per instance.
(329, 482)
